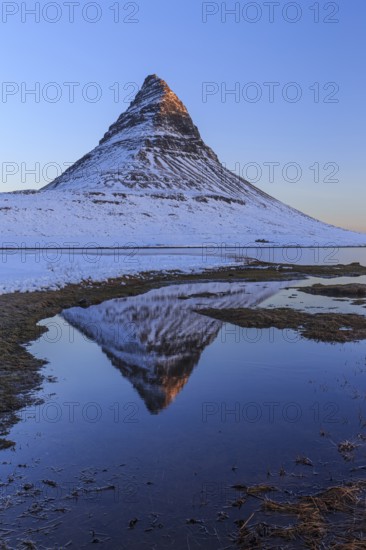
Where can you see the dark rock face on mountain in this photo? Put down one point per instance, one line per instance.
(154, 145)
(162, 119)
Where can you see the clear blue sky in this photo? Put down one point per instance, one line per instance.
(170, 38)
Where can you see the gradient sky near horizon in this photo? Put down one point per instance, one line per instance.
(295, 125)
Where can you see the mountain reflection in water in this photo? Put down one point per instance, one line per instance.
(156, 339)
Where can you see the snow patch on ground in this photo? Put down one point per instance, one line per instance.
(28, 271)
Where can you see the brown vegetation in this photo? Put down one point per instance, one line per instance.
(321, 327)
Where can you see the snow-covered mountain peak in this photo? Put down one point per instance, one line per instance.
(153, 145)
(153, 180)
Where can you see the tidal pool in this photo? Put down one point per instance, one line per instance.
(151, 412)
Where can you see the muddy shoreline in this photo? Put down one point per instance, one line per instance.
(21, 373)
(320, 327)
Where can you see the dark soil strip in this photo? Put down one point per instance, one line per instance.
(355, 292)
(348, 291)
(322, 327)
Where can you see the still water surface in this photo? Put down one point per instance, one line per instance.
(152, 412)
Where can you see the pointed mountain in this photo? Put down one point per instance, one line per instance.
(154, 145)
(152, 180)
(156, 115)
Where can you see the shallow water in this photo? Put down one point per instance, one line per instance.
(292, 254)
(157, 411)
(229, 252)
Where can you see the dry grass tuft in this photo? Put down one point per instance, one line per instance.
(331, 519)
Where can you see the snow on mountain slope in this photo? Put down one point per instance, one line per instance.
(156, 339)
(59, 218)
(153, 181)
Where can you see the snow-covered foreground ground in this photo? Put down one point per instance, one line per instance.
(77, 219)
(28, 271)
